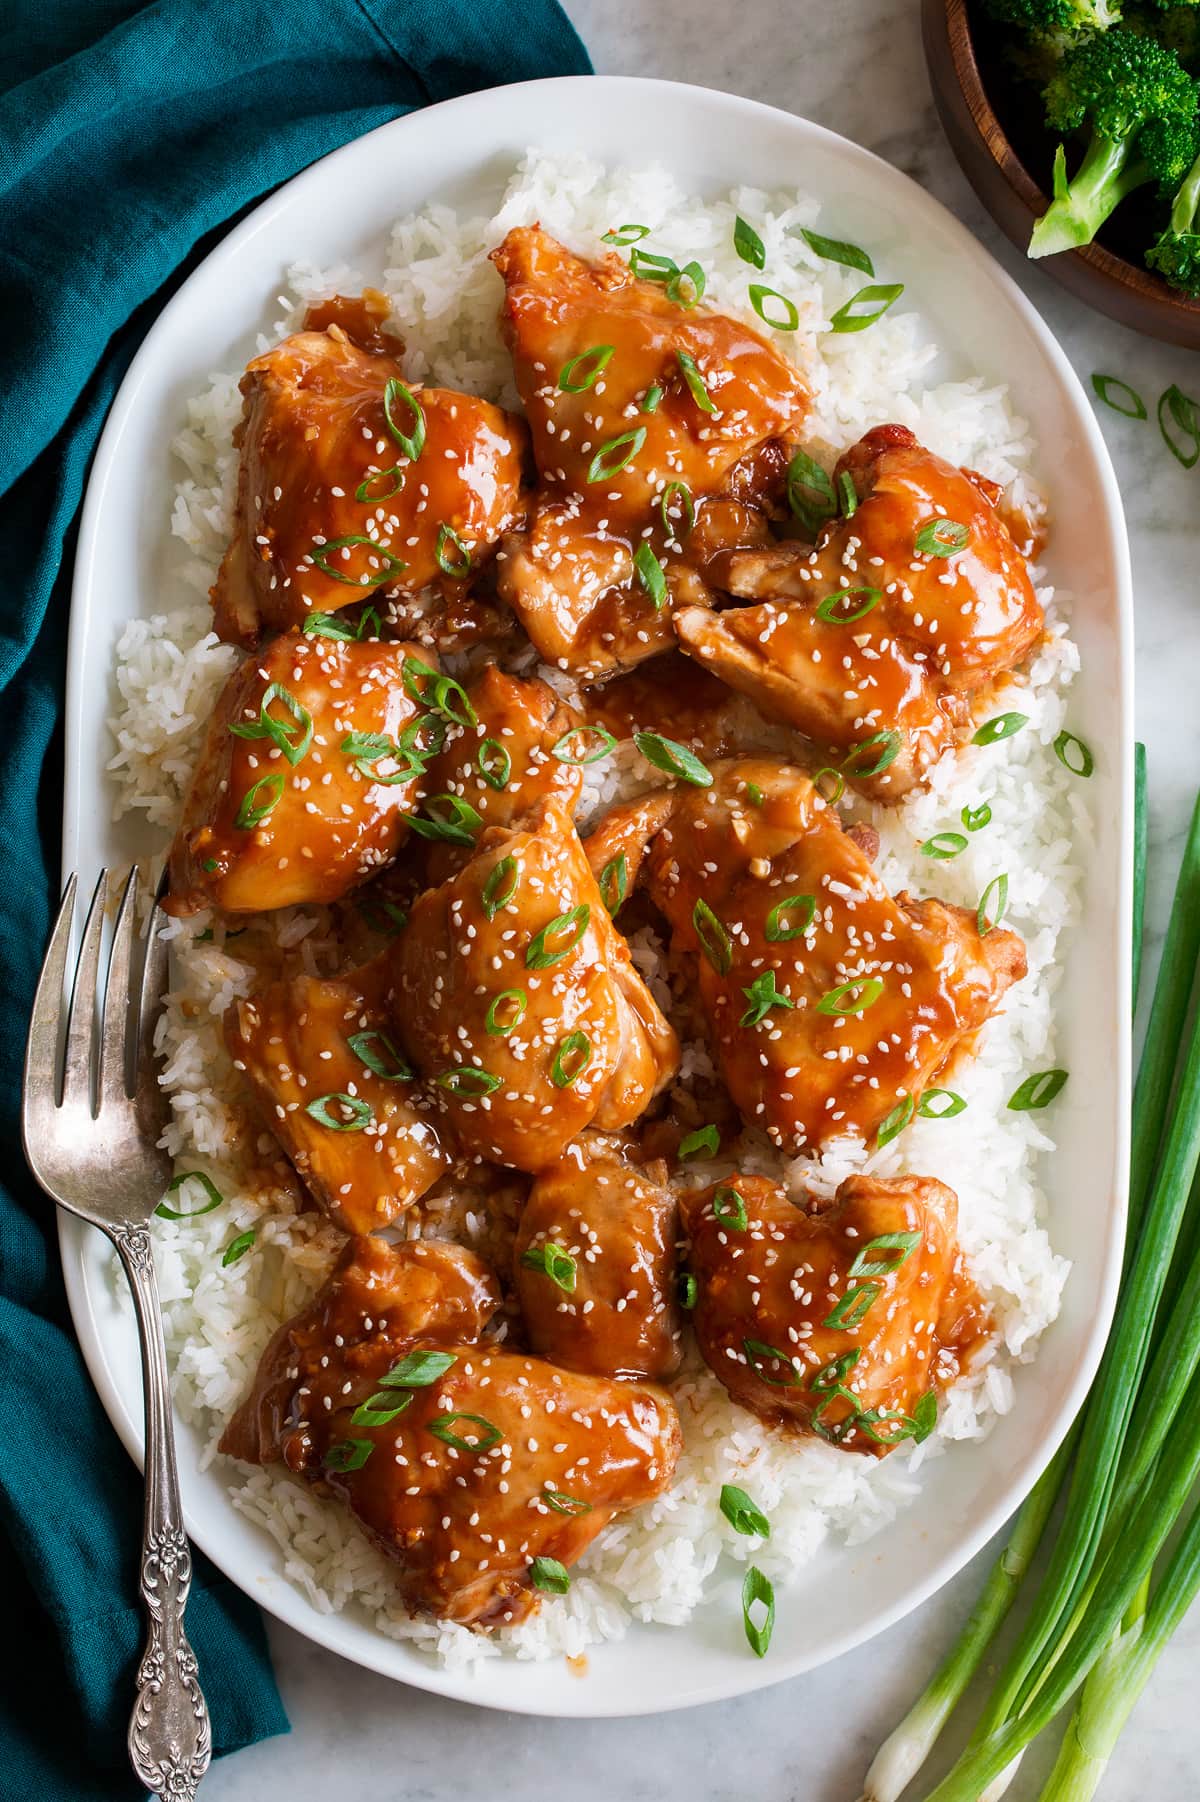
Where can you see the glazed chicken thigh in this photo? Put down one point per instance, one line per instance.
(353, 484)
(844, 1321)
(876, 643)
(640, 411)
(517, 999)
(830, 1003)
(467, 1464)
(302, 790)
(338, 1096)
(595, 1267)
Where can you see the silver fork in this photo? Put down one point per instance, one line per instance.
(92, 1143)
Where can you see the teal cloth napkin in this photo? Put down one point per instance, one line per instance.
(130, 135)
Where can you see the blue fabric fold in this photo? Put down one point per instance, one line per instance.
(131, 136)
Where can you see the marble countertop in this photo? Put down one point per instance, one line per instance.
(858, 69)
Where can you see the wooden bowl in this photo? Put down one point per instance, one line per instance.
(1123, 289)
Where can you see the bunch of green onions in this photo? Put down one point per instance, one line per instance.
(1112, 1591)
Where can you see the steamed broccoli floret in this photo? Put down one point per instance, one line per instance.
(1176, 255)
(1053, 16)
(1139, 106)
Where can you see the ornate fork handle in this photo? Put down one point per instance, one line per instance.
(170, 1740)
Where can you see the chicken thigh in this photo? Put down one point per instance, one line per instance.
(353, 484)
(830, 1003)
(306, 777)
(640, 409)
(338, 1096)
(483, 1473)
(876, 643)
(845, 1321)
(595, 1267)
(517, 999)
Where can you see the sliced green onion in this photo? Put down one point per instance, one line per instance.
(553, 1261)
(871, 1418)
(585, 370)
(941, 538)
(944, 845)
(513, 1002)
(850, 1311)
(539, 955)
(847, 495)
(889, 742)
(494, 763)
(353, 1117)
(758, 1353)
(652, 398)
(695, 381)
(213, 1196)
(1108, 386)
(687, 1290)
(852, 997)
(446, 537)
(758, 1590)
(467, 1082)
(762, 996)
(417, 1370)
(423, 737)
(706, 1140)
(501, 886)
(759, 297)
(429, 688)
(693, 274)
(748, 244)
(613, 457)
(1174, 405)
(830, 1375)
(1004, 725)
(396, 393)
(614, 882)
(805, 477)
(280, 734)
(675, 759)
(835, 250)
(869, 1263)
(383, 916)
(237, 1248)
(348, 1454)
(388, 1065)
(380, 1410)
(983, 919)
(729, 1208)
(327, 625)
(1037, 1091)
(833, 608)
(393, 565)
(976, 818)
(741, 1512)
(369, 624)
(877, 298)
(253, 811)
(651, 267)
(896, 1121)
(651, 574)
(929, 1110)
(367, 491)
(548, 1574)
(925, 1416)
(366, 749)
(1066, 745)
(488, 1436)
(715, 942)
(572, 1058)
(777, 931)
(831, 790)
(457, 824)
(565, 1504)
(754, 794)
(625, 234)
(688, 504)
(572, 746)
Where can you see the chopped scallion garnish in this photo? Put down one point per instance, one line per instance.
(684, 494)
(549, 1575)
(651, 574)
(584, 745)
(852, 997)
(557, 939)
(259, 802)
(762, 996)
(758, 1592)
(675, 759)
(895, 1123)
(572, 1058)
(397, 394)
(500, 886)
(835, 250)
(705, 1141)
(392, 565)
(484, 1438)
(212, 1196)
(941, 538)
(348, 1454)
(846, 605)
(552, 1261)
(622, 235)
(748, 244)
(292, 739)
(695, 381)
(1112, 390)
(741, 1512)
(876, 299)
(613, 882)
(992, 904)
(940, 1104)
(1037, 1091)
(455, 822)
(384, 1062)
(506, 1012)
(944, 845)
(614, 456)
(585, 370)
(715, 942)
(1002, 726)
(456, 566)
(761, 296)
(494, 763)
(467, 1081)
(778, 929)
(1073, 754)
(341, 1113)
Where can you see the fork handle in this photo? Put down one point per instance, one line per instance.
(170, 1740)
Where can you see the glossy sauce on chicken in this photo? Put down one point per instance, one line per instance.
(470, 1465)
(831, 1004)
(845, 1320)
(639, 409)
(876, 643)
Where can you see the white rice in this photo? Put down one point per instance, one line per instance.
(660, 1563)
